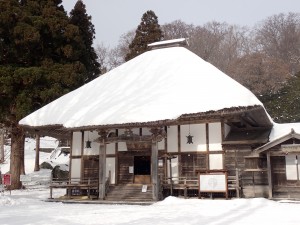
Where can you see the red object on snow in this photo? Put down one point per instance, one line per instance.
(6, 179)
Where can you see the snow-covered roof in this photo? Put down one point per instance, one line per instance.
(279, 134)
(179, 41)
(158, 85)
(280, 130)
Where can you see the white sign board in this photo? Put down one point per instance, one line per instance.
(213, 183)
(144, 188)
(130, 169)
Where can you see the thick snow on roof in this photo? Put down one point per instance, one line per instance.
(157, 85)
(280, 130)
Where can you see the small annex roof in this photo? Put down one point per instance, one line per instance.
(279, 134)
(158, 85)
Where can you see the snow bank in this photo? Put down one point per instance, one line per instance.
(26, 207)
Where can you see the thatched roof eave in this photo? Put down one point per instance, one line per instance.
(59, 130)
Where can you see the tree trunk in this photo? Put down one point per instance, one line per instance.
(37, 152)
(16, 155)
(1, 145)
(22, 153)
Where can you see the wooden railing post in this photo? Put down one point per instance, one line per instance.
(237, 182)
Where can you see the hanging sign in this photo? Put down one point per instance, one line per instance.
(7, 179)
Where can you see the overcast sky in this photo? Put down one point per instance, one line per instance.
(112, 18)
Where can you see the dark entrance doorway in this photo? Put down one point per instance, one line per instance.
(142, 169)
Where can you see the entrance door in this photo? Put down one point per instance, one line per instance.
(142, 170)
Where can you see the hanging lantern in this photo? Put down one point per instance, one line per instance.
(88, 143)
(189, 137)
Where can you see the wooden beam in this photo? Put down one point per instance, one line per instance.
(269, 175)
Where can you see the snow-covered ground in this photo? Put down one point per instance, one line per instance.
(28, 207)
(24, 207)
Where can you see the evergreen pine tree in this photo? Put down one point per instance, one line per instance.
(147, 32)
(37, 64)
(85, 52)
(284, 106)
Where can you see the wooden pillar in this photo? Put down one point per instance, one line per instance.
(158, 134)
(70, 159)
(269, 175)
(37, 152)
(102, 169)
(81, 180)
(154, 161)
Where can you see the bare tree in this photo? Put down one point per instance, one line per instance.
(102, 52)
(279, 37)
(110, 58)
(260, 73)
(177, 29)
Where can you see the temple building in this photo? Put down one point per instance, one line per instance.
(169, 123)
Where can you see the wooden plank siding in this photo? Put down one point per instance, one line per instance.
(125, 160)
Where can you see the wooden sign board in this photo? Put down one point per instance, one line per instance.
(291, 148)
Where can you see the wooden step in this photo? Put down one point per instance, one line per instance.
(129, 192)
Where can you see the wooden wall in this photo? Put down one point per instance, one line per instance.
(254, 181)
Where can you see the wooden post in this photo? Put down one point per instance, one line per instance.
(154, 161)
(269, 175)
(102, 169)
(37, 152)
(237, 184)
(171, 174)
(50, 192)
